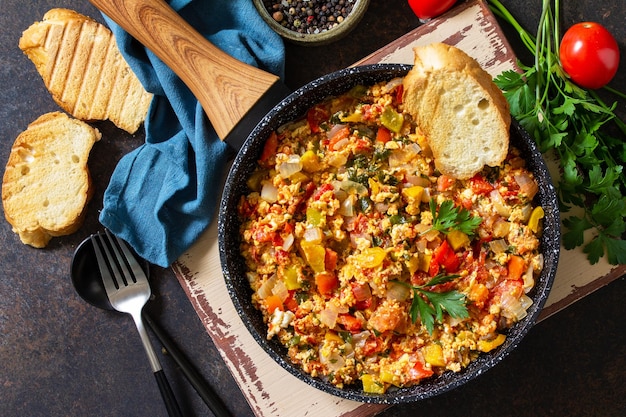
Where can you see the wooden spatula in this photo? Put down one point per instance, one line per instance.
(229, 90)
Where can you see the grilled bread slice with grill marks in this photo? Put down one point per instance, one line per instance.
(81, 66)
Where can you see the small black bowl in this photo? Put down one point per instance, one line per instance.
(86, 276)
(234, 268)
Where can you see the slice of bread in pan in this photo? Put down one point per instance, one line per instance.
(463, 114)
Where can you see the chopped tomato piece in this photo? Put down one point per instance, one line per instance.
(321, 190)
(445, 182)
(399, 93)
(340, 135)
(480, 185)
(350, 323)
(291, 303)
(419, 371)
(316, 116)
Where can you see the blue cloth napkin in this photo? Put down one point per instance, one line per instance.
(164, 194)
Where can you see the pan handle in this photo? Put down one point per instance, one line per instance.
(225, 87)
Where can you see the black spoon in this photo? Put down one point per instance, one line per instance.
(88, 284)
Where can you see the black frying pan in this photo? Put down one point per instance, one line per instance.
(208, 72)
(233, 266)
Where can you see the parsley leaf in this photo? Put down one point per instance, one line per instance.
(449, 217)
(429, 306)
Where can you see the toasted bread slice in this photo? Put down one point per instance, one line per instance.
(46, 183)
(83, 69)
(463, 114)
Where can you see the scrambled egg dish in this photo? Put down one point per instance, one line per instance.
(370, 266)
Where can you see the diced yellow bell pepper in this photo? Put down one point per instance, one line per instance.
(290, 277)
(351, 118)
(298, 177)
(371, 257)
(314, 254)
(310, 162)
(374, 186)
(414, 193)
(413, 264)
(387, 377)
(433, 354)
(371, 385)
(333, 337)
(457, 239)
(425, 262)
(533, 221)
(489, 345)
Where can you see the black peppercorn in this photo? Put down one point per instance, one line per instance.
(309, 16)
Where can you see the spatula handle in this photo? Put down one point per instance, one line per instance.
(225, 87)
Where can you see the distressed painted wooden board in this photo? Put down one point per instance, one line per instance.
(269, 389)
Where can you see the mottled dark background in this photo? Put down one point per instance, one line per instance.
(61, 357)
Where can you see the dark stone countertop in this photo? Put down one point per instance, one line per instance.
(61, 357)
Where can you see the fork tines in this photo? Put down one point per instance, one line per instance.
(115, 268)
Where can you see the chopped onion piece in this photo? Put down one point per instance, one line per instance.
(328, 317)
(313, 234)
(529, 279)
(397, 291)
(269, 192)
(280, 290)
(512, 308)
(392, 84)
(347, 206)
(526, 301)
(290, 166)
(499, 204)
(288, 242)
(265, 290)
(498, 246)
(333, 131)
(353, 187)
(334, 361)
(362, 292)
(526, 184)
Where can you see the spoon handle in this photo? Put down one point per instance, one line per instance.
(171, 404)
(226, 87)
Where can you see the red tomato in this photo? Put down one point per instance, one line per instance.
(589, 54)
(427, 9)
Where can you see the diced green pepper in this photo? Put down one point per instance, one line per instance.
(391, 119)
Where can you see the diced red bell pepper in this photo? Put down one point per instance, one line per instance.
(270, 147)
(383, 135)
(330, 260)
(326, 282)
(444, 256)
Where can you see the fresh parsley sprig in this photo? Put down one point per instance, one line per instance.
(573, 124)
(429, 306)
(448, 217)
